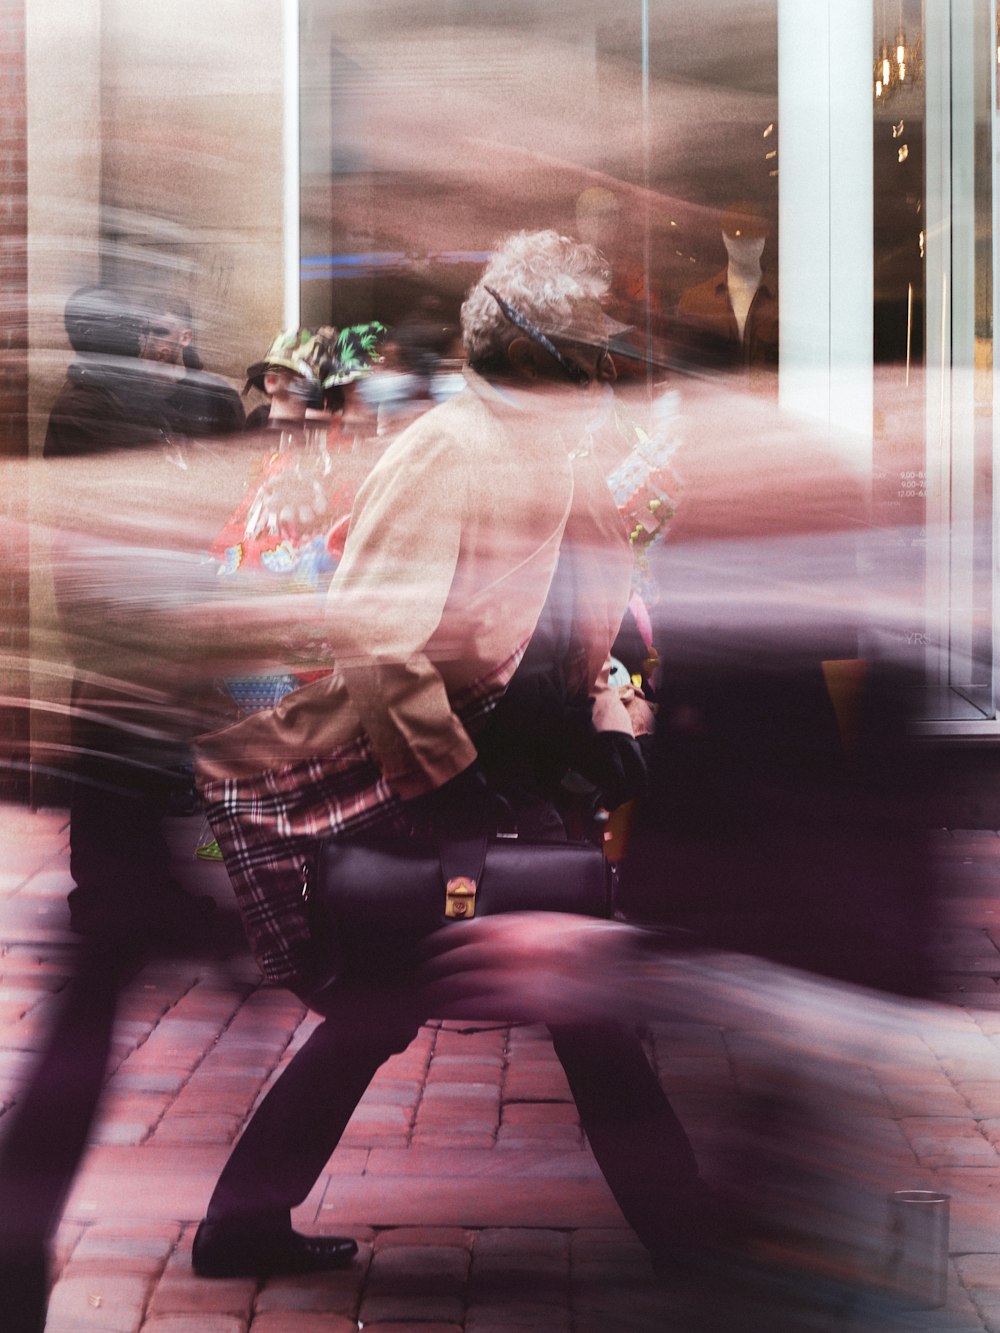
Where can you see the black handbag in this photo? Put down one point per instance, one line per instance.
(372, 901)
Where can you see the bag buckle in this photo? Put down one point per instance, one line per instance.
(460, 898)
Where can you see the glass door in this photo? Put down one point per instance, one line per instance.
(958, 241)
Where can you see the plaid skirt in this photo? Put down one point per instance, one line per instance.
(268, 825)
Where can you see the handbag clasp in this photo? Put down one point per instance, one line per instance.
(460, 898)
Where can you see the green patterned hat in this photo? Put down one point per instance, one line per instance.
(352, 352)
(286, 352)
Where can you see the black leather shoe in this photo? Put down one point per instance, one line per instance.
(222, 1250)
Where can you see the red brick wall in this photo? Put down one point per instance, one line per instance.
(13, 233)
(13, 393)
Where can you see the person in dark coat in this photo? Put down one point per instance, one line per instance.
(202, 404)
(126, 775)
(104, 403)
(136, 380)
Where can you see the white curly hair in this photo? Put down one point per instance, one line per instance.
(544, 276)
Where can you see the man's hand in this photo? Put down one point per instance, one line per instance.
(640, 714)
(617, 768)
(549, 967)
(464, 807)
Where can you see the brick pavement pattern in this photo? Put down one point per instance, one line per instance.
(464, 1174)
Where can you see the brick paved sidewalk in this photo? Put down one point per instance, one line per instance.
(464, 1174)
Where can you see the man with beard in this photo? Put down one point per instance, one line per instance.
(202, 403)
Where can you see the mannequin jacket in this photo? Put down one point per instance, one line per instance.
(706, 334)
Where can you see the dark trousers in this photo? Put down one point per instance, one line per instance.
(122, 787)
(45, 1135)
(116, 843)
(635, 1136)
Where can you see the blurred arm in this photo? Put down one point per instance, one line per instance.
(387, 600)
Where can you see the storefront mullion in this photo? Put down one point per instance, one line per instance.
(960, 509)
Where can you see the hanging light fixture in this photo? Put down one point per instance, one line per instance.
(899, 64)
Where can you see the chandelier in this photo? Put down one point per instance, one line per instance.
(899, 64)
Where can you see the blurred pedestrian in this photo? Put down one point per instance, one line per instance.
(199, 404)
(779, 860)
(471, 617)
(128, 749)
(103, 403)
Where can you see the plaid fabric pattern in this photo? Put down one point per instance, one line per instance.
(267, 826)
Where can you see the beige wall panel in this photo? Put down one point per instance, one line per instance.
(63, 63)
(192, 163)
(63, 70)
(154, 150)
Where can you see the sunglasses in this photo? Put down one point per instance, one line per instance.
(576, 373)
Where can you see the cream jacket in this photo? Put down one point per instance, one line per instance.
(451, 551)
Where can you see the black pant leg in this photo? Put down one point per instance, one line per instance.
(119, 796)
(45, 1135)
(117, 846)
(639, 1143)
(294, 1131)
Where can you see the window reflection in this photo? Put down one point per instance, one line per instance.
(654, 135)
(430, 130)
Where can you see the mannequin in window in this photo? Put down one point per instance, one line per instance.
(730, 321)
(599, 222)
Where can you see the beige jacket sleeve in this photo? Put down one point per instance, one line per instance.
(387, 600)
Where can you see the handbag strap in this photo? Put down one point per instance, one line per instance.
(463, 858)
(462, 865)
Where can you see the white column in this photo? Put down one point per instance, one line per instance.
(825, 217)
(937, 305)
(960, 82)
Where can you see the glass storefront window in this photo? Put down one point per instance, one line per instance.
(958, 238)
(428, 131)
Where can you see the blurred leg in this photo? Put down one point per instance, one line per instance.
(48, 1131)
(294, 1131)
(117, 847)
(119, 858)
(635, 1136)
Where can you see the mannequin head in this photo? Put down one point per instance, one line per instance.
(598, 216)
(744, 221)
(744, 251)
(744, 233)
